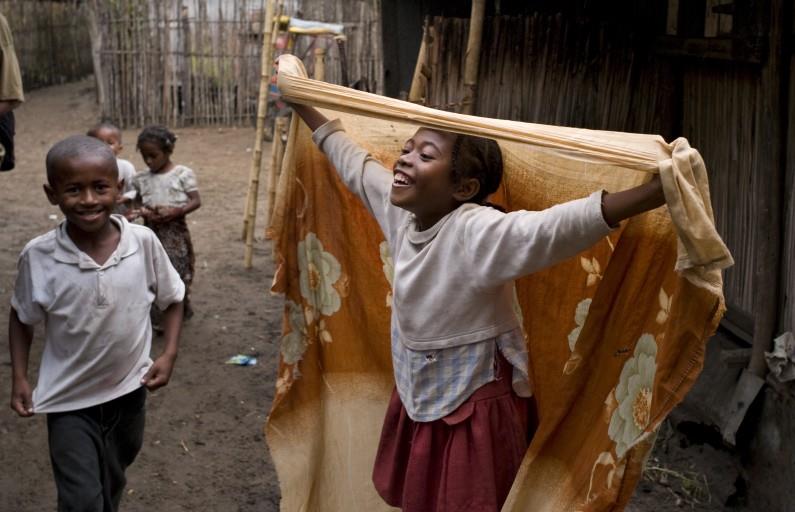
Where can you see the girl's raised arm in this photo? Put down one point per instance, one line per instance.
(310, 115)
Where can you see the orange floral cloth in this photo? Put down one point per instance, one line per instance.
(615, 335)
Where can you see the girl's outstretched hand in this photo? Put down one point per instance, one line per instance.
(628, 203)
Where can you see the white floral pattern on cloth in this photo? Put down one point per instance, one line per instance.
(665, 306)
(592, 268)
(633, 395)
(615, 472)
(389, 269)
(294, 343)
(319, 270)
(580, 314)
(322, 329)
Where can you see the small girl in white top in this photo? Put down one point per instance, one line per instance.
(167, 193)
(458, 423)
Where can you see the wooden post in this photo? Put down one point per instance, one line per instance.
(418, 92)
(320, 64)
(472, 62)
(769, 186)
(187, 100)
(277, 154)
(266, 60)
(95, 33)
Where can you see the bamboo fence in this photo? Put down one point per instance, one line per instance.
(179, 62)
(197, 62)
(50, 41)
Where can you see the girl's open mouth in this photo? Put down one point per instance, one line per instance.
(402, 180)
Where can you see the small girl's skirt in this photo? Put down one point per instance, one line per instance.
(466, 461)
(175, 238)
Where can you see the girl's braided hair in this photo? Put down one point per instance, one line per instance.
(479, 158)
(160, 135)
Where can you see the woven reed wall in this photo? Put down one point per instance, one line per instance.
(547, 69)
(718, 119)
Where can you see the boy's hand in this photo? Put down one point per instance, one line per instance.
(22, 398)
(160, 372)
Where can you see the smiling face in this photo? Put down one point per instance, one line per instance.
(422, 176)
(85, 188)
(155, 157)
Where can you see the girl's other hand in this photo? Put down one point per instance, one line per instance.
(149, 214)
(168, 214)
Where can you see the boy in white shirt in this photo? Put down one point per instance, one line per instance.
(110, 134)
(92, 281)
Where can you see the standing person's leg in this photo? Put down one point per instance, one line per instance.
(123, 424)
(75, 440)
(190, 269)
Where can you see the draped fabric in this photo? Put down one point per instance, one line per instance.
(615, 335)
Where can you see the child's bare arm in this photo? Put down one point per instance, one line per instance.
(194, 202)
(627, 203)
(20, 337)
(160, 372)
(310, 115)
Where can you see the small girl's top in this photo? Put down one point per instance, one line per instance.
(165, 189)
(453, 290)
(126, 173)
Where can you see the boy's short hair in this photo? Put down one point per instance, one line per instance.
(74, 147)
(104, 125)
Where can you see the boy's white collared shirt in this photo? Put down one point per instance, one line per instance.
(97, 327)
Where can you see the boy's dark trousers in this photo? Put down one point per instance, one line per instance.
(90, 449)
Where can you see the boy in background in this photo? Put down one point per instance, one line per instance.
(110, 134)
(91, 281)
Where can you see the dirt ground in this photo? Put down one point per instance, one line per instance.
(204, 449)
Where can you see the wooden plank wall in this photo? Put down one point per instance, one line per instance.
(362, 21)
(50, 39)
(180, 62)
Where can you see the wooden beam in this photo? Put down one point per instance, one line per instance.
(472, 62)
(751, 49)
